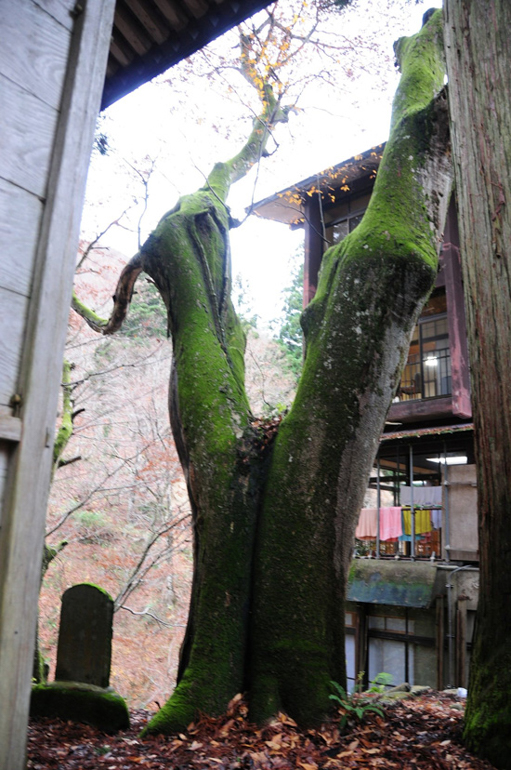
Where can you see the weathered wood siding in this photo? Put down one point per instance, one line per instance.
(52, 65)
(34, 48)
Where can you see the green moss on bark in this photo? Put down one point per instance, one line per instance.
(357, 332)
(357, 329)
(488, 715)
(188, 258)
(65, 430)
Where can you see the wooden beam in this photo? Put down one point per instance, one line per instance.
(10, 427)
(313, 247)
(28, 478)
(420, 409)
(127, 25)
(151, 19)
(174, 15)
(460, 376)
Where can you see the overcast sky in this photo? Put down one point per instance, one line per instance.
(184, 129)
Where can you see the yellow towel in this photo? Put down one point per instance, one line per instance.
(422, 521)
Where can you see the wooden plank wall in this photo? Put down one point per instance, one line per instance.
(52, 65)
(34, 48)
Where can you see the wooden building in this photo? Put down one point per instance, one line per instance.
(413, 590)
(59, 61)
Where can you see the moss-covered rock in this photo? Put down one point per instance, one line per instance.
(104, 709)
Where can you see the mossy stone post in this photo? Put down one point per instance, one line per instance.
(84, 649)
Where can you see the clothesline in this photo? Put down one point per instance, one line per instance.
(396, 522)
(423, 507)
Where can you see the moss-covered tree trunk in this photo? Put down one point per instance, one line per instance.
(357, 330)
(274, 527)
(479, 67)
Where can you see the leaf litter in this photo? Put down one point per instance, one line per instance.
(420, 733)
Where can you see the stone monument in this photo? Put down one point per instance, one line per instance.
(85, 636)
(81, 689)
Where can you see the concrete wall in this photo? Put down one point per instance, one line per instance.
(462, 501)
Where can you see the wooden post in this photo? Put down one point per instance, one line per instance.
(28, 476)
(460, 377)
(313, 247)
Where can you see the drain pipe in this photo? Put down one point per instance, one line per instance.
(450, 635)
(378, 503)
(447, 546)
(412, 509)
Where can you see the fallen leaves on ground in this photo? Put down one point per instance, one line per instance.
(420, 733)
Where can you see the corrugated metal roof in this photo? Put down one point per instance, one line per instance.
(149, 36)
(420, 432)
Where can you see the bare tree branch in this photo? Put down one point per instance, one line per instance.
(150, 614)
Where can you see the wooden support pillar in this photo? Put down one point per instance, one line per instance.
(460, 378)
(313, 247)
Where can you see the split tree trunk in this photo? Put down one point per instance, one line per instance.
(479, 67)
(274, 529)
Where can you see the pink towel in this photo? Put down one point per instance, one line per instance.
(366, 523)
(390, 523)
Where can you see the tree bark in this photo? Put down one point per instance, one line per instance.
(357, 330)
(274, 529)
(479, 66)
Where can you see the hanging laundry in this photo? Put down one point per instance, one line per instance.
(367, 523)
(436, 518)
(391, 525)
(422, 521)
(421, 495)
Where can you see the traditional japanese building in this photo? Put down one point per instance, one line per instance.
(414, 579)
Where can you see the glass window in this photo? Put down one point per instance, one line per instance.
(427, 373)
(350, 661)
(386, 655)
(390, 623)
(339, 232)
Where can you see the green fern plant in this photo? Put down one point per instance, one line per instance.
(352, 706)
(381, 682)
